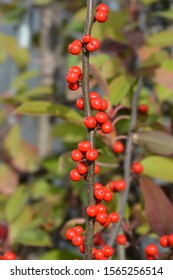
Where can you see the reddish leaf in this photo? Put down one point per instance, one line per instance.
(158, 207)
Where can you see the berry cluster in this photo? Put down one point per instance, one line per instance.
(166, 241)
(8, 256)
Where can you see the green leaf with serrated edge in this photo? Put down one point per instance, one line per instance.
(161, 39)
(35, 237)
(47, 108)
(59, 255)
(156, 141)
(16, 203)
(158, 167)
(119, 88)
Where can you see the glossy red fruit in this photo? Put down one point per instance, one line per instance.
(82, 168)
(151, 250)
(91, 155)
(78, 229)
(108, 196)
(104, 105)
(73, 86)
(76, 155)
(71, 77)
(114, 217)
(90, 122)
(91, 211)
(108, 251)
(74, 49)
(93, 95)
(96, 43)
(102, 7)
(96, 104)
(70, 233)
(96, 169)
(118, 147)
(77, 240)
(137, 167)
(9, 256)
(78, 42)
(164, 241)
(107, 127)
(101, 218)
(170, 240)
(112, 186)
(101, 117)
(99, 194)
(82, 248)
(74, 175)
(143, 108)
(107, 222)
(86, 38)
(101, 208)
(76, 69)
(80, 103)
(97, 186)
(99, 254)
(121, 239)
(91, 47)
(120, 185)
(101, 16)
(84, 146)
(98, 239)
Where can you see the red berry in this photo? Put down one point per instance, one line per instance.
(99, 255)
(84, 146)
(96, 43)
(101, 16)
(107, 127)
(112, 186)
(143, 108)
(1, 257)
(74, 49)
(73, 86)
(80, 103)
(120, 185)
(137, 167)
(118, 147)
(70, 233)
(107, 251)
(149, 258)
(91, 155)
(77, 240)
(96, 169)
(72, 77)
(93, 95)
(82, 248)
(164, 241)
(74, 175)
(170, 240)
(101, 208)
(9, 256)
(102, 7)
(90, 122)
(101, 117)
(107, 222)
(98, 239)
(114, 217)
(78, 42)
(78, 229)
(91, 47)
(96, 104)
(151, 250)
(99, 194)
(104, 105)
(86, 38)
(91, 211)
(97, 186)
(121, 239)
(82, 168)
(76, 155)
(108, 196)
(101, 218)
(76, 69)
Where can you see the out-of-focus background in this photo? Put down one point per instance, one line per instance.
(37, 198)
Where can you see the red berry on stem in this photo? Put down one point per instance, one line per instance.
(96, 43)
(107, 251)
(101, 208)
(70, 233)
(101, 218)
(101, 16)
(108, 196)
(121, 239)
(78, 42)
(90, 122)
(93, 95)
(74, 175)
(151, 250)
(73, 86)
(72, 77)
(76, 155)
(82, 168)
(137, 167)
(99, 255)
(99, 194)
(91, 211)
(120, 185)
(77, 240)
(170, 240)
(82, 248)
(118, 147)
(102, 7)
(76, 69)
(143, 108)
(91, 47)
(80, 103)
(96, 169)
(86, 38)
(107, 222)
(74, 49)
(9, 256)
(91, 155)
(114, 217)
(104, 105)
(101, 117)
(84, 146)
(107, 127)
(96, 104)
(78, 229)
(164, 241)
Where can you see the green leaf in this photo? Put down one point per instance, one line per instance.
(41, 2)
(164, 14)
(119, 88)
(21, 79)
(16, 203)
(158, 167)
(149, 2)
(161, 39)
(47, 108)
(35, 237)
(59, 255)
(156, 141)
(39, 91)
(64, 164)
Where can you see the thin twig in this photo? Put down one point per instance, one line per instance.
(90, 134)
(119, 119)
(127, 163)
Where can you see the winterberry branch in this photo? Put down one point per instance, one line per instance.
(127, 163)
